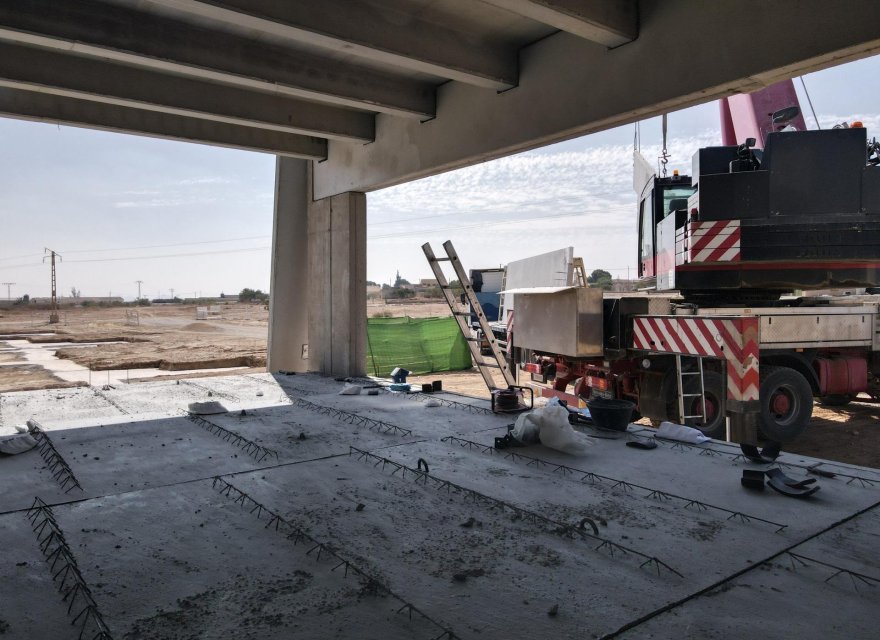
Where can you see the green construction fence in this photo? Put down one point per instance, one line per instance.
(422, 345)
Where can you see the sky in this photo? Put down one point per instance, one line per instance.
(198, 219)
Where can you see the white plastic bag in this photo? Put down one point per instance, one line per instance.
(550, 425)
(682, 433)
(350, 390)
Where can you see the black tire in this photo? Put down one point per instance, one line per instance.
(716, 425)
(836, 400)
(786, 400)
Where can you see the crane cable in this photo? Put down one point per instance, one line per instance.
(810, 102)
(664, 154)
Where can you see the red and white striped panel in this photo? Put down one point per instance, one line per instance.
(713, 241)
(734, 339)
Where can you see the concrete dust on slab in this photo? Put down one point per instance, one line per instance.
(341, 532)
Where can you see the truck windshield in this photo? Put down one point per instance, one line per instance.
(671, 194)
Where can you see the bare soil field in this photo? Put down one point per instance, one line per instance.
(169, 337)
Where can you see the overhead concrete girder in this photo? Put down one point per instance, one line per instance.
(120, 34)
(42, 107)
(370, 31)
(688, 52)
(52, 72)
(608, 22)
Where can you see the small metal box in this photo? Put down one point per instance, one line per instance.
(566, 322)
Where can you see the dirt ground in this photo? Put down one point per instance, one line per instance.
(169, 337)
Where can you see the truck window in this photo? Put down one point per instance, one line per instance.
(646, 238)
(675, 193)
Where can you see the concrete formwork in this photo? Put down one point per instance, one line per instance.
(322, 524)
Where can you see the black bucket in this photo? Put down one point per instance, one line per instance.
(611, 414)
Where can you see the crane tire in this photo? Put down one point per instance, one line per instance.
(786, 401)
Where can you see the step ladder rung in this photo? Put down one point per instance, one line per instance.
(488, 338)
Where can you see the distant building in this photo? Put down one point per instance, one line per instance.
(428, 282)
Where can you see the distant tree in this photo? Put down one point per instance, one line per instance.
(400, 294)
(456, 287)
(370, 283)
(25, 299)
(600, 278)
(252, 295)
(222, 295)
(74, 292)
(398, 281)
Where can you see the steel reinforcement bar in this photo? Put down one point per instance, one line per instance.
(109, 400)
(298, 535)
(739, 457)
(258, 452)
(66, 574)
(446, 402)
(353, 418)
(614, 483)
(555, 526)
(58, 466)
(211, 392)
(798, 561)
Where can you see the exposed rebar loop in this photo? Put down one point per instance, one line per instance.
(320, 549)
(564, 529)
(66, 573)
(735, 457)
(257, 451)
(211, 392)
(446, 402)
(109, 401)
(58, 466)
(798, 560)
(614, 483)
(353, 418)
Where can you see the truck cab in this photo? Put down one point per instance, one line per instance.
(659, 199)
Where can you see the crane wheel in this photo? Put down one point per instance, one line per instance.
(786, 400)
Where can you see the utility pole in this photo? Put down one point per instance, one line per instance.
(53, 316)
(172, 295)
(139, 283)
(8, 286)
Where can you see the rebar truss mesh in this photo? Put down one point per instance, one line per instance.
(738, 457)
(614, 483)
(66, 574)
(353, 418)
(799, 561)
(110, 401)
(446, 402)
(321, 549)
(258, 452)
(567, 530)
(211, 392)
(58, 466)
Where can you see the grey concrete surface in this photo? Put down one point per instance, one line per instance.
(169, 554)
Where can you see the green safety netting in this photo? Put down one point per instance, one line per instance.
(422, 345)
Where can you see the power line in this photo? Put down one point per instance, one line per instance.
(163, 246)
(173, 255)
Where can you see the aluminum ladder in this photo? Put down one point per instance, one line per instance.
(682, 374)
(484, 364)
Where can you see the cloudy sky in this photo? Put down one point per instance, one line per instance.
(198, 219)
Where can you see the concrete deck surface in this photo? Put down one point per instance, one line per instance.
(320, 527)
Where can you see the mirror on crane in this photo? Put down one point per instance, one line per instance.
(783, 116)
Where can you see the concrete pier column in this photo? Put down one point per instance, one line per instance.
(337, 284)
(288, 304)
